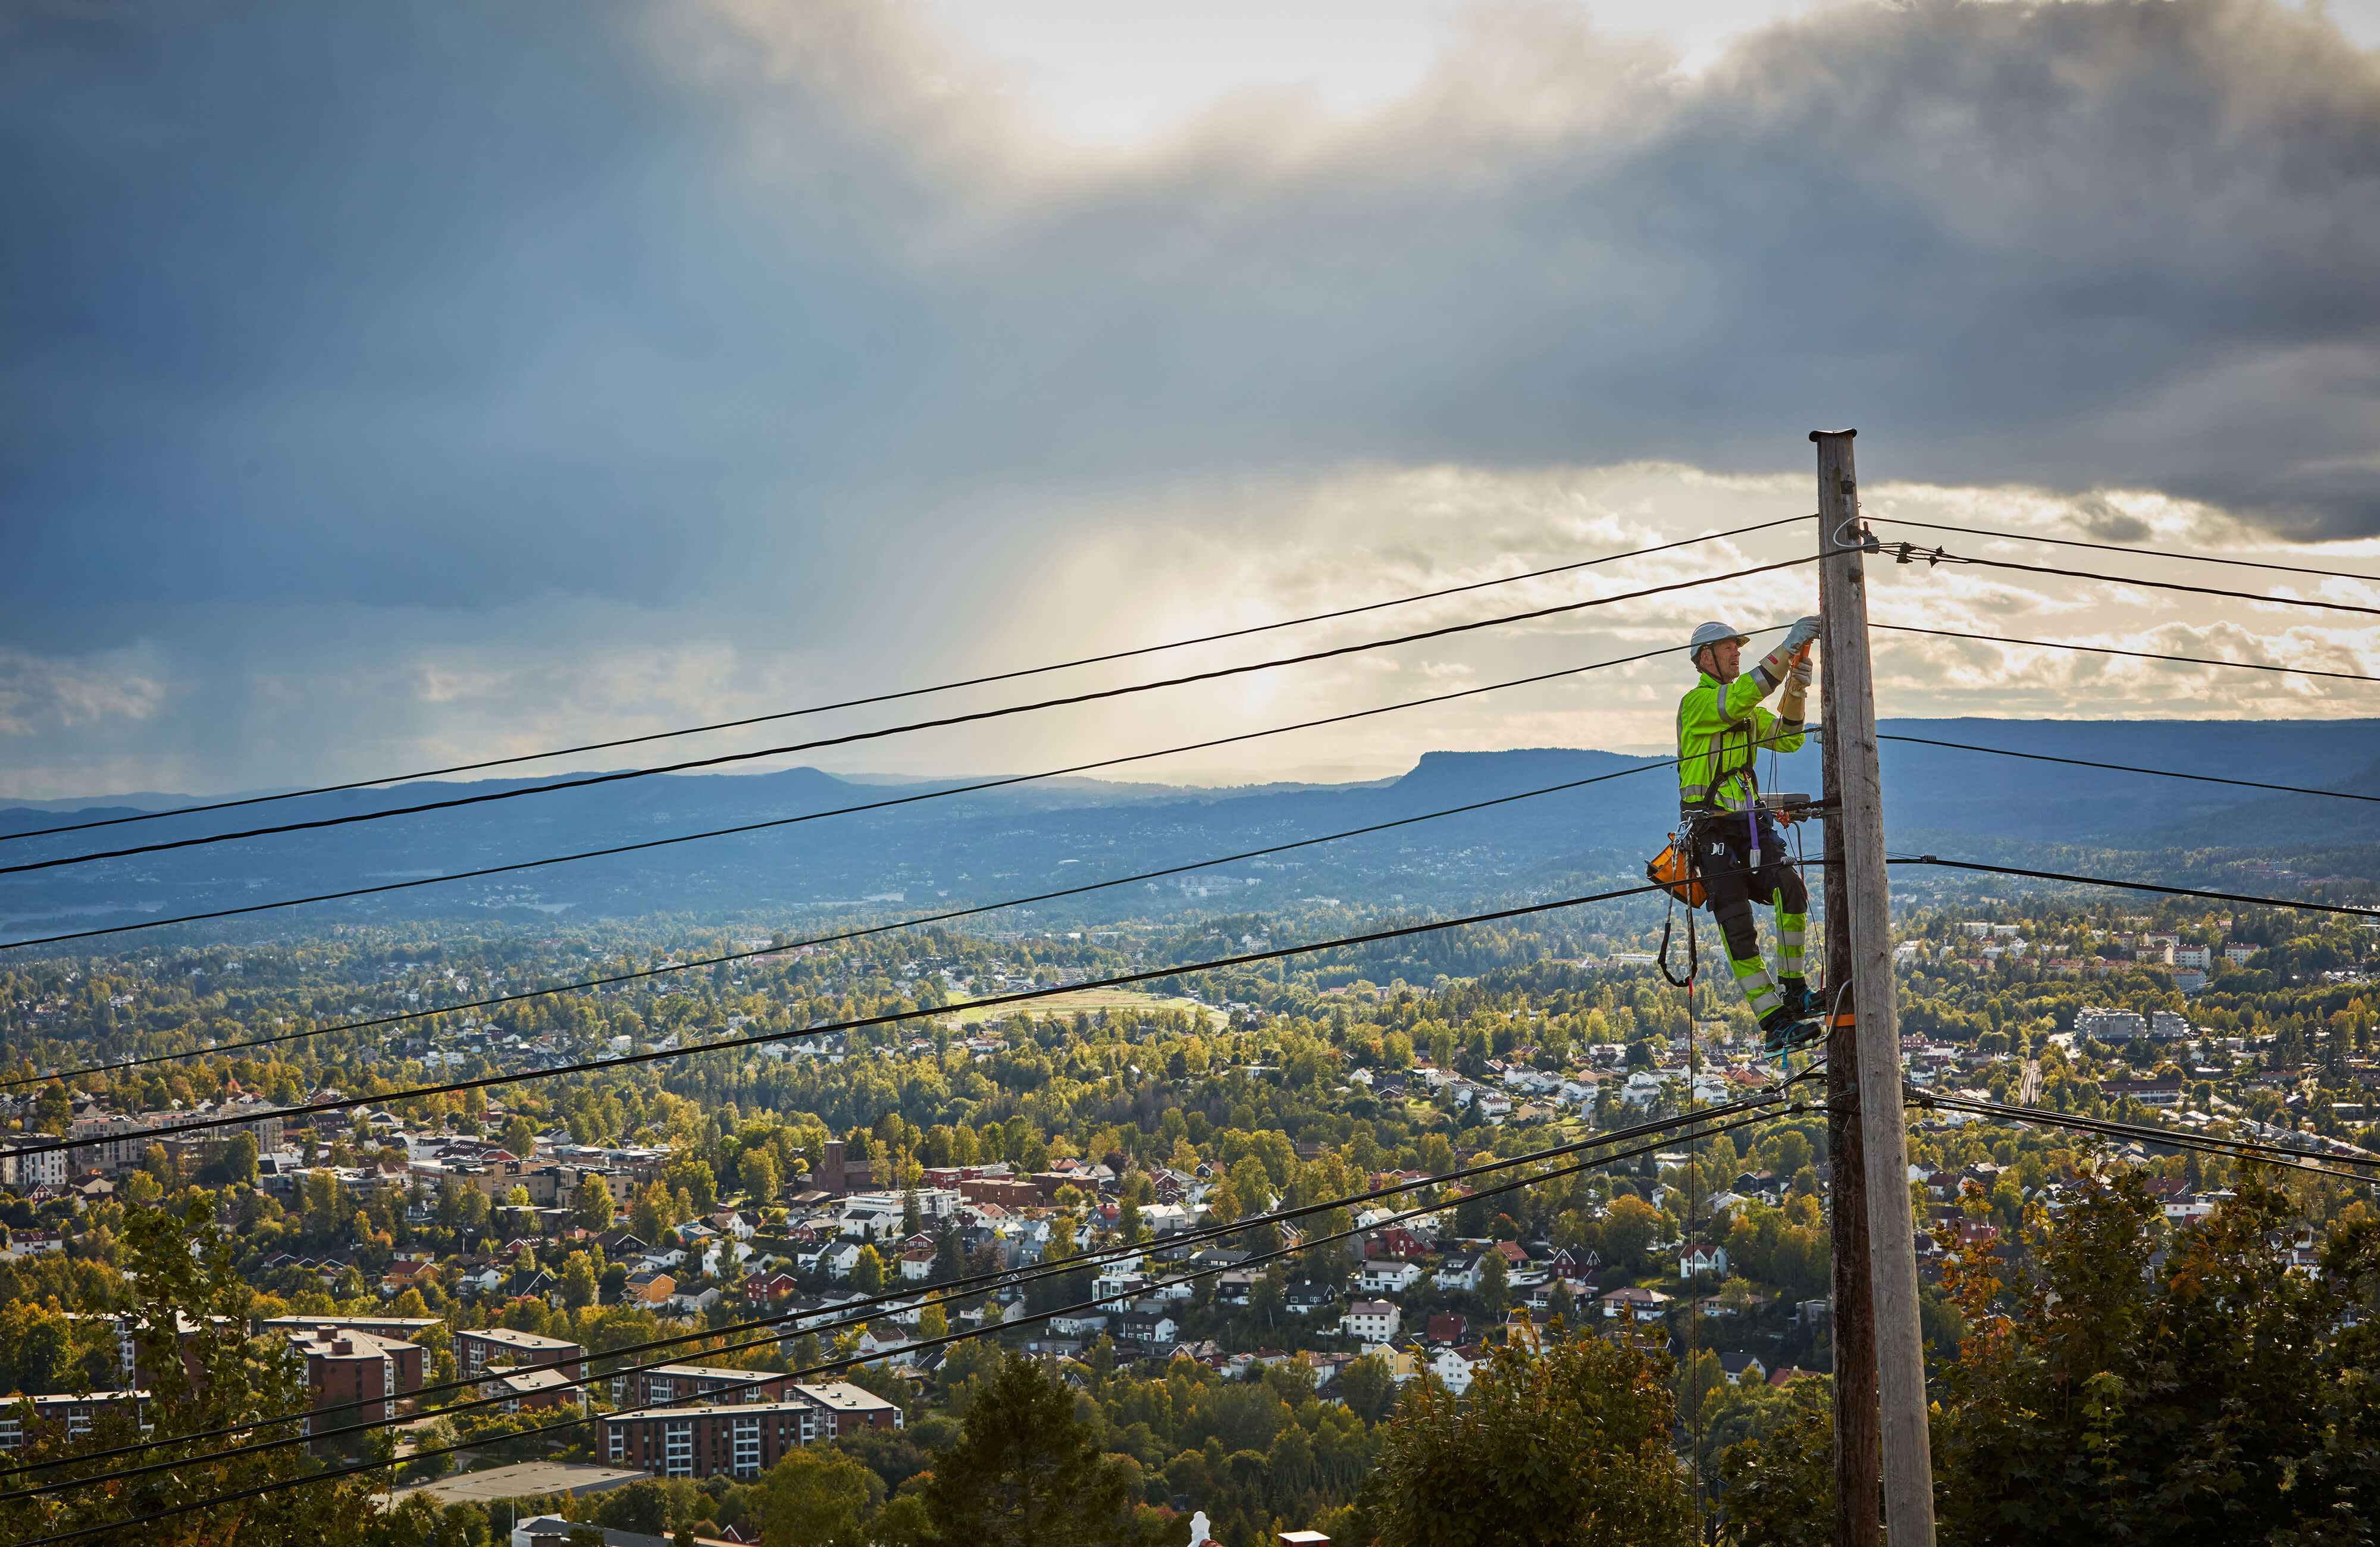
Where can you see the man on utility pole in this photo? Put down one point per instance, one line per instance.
(1851, 754)
(1723, 729)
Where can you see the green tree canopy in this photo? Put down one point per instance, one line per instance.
(2222, 1397)
(591, 1206)
(1570, 1445)
(818, 1497)
(1026, 1469)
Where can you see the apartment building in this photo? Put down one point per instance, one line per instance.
(355, 1377)
(479, 1350)
(672, 1384)
(74, 1414)
(742, 1440)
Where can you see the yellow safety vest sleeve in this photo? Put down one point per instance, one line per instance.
(1723, 729)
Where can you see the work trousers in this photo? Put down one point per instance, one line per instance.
(1732, 883)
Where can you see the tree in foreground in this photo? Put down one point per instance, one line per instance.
(1026, 1470)
(1780, 1483)
(205, 1378)
(819, 1497)
(1563, 1447)
(2217, 1396)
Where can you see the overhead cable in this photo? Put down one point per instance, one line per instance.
(941, 793)
(2125, 768)
(1914, 554)
(729, 1044)
(903, 693)
(2302, 907)
(2118, 548)
(2133, 654)
(846, 1362)
(850, 1312)
(973, 717)
(2249, 1149)
(924, 919)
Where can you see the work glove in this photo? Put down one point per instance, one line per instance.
(1797, 681)
(1804, 630)
(1787, 661)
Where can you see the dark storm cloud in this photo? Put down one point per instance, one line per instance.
(756, 311)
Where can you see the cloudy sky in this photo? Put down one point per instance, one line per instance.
(386, 385)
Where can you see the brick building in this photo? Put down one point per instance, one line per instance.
(355, 1377)
(533, 1388)
(837, 1176)
(673, 1383)
(1008, 1192)
(74, 1414)
(477, 1350)
(399, 1329)
(743, 1440)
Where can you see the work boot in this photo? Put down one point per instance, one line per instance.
(1781, 1032)
(1796, 1000)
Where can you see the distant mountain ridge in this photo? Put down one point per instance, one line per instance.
(1022, 838)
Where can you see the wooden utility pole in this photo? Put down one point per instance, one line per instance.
(1857, 1520)
(1851, 754)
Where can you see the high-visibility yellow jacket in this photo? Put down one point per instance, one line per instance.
(1721, 729)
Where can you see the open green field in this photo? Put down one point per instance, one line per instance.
(1093, 999)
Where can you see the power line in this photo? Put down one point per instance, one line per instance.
(846, 1314)
(2124, 768)
(946, 1340)
(2151, 585)
(904, 693)
(2300, 1159)
(1021, 997)
(2113, 548)
(828, 939)
(973, 717)
(839, 810)
(2297, 904)
(2133, 654)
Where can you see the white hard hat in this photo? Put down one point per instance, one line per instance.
(1716, 633)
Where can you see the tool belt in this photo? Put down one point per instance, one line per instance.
(1673, 871)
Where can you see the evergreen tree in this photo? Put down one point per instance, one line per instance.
(1026, 1469)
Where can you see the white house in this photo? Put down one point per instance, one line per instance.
(1389, 1276)
(1702, 1259)
(1460, 1270)
(1371, 1321)
(839, 1257)
(1454, 1368)
(1118, 1276)
(873, 1224)
(30, 1242)
(1645, 1305)
(1166, 1218)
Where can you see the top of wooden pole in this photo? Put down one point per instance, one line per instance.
(1845, 433)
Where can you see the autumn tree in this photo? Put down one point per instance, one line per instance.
(590, 1204)
(1564, 1447)
(204, 1380)
(2221, 1396)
